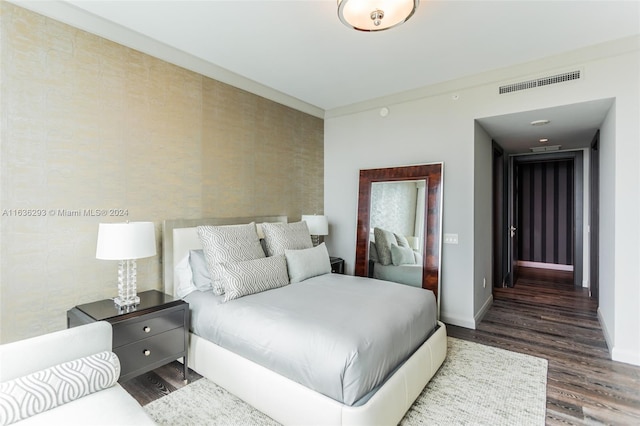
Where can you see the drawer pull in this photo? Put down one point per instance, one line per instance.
(146, 352)
(146, 329)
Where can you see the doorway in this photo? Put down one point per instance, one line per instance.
(546, 213)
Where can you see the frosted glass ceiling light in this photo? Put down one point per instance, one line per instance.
(375, 15)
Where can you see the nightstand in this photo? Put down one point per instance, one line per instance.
(146, 337)
(337, 265)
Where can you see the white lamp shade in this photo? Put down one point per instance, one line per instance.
(124, 241)
(317, 224)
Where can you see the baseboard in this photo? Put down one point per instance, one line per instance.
(605, 331)
(459, 321)
(483, 311)
(540, 265)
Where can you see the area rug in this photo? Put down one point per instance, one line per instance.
(476, 385)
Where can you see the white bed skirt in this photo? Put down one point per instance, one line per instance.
(291, 403)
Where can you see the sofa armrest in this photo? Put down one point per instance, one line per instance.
(24, 357)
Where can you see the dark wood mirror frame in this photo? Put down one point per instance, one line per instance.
(432, 241)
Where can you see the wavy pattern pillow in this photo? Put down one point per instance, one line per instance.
(279, 237)
(230, 243)
(307, 263)
(253, 276)
(49, 388)
(384, 240)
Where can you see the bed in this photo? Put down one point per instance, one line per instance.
(269, 388)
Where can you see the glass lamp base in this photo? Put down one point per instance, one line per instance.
(131, 301)
(127, 288)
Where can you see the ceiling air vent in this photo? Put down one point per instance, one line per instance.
(538, 82)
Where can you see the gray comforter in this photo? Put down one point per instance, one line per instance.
(337, 334)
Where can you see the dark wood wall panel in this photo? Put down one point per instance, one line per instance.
(546, 204)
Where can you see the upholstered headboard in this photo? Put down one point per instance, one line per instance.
(181, 235)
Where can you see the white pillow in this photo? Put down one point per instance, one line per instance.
(183, 278)
(230, 243)
(307, 263)
(253, 276)
(279, 237)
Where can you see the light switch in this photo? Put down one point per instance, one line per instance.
(451, 238)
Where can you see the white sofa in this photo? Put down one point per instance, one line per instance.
(109, 406)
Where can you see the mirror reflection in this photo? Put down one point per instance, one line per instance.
(395, 229)
(400, 210)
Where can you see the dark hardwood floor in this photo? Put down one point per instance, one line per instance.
(157, 383)
(546, 316)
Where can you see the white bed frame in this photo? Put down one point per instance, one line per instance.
(282, 399)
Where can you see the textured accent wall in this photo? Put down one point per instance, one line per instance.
(545, 212)
(88, 125)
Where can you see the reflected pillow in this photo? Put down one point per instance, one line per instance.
(279, 237)
(402, 240)
(384, 240)
(402, 256)
(373, 252)
(307, 263)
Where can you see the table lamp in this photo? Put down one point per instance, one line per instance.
(126, 242)
(318, 226)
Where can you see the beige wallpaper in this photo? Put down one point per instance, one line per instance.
(88, 125)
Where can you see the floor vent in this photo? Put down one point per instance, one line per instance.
(538, 82)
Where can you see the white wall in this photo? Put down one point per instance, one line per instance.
(432, 125)
(482, 223)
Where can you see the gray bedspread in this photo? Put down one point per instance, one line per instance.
(337, 334)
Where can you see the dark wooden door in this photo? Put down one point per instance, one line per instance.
(594, 229)
(513, 225)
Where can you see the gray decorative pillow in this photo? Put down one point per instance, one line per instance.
(52, 387)
(384, 240)
(253, 276)
(279, 237)
(231, 243)
(199, 270)
(402, 240)
(307, 263)
(373, 252)
(402, 256)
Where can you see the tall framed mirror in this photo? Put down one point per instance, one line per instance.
(404, 205)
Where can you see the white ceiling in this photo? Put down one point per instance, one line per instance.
(299, 51)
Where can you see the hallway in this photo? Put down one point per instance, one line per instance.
(544, 315)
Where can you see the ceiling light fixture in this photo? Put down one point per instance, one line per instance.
(544, 140)
(540, 122)
(375, 15)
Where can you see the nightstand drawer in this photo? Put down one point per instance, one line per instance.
(141, 328)
(139, 355)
